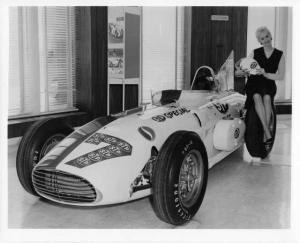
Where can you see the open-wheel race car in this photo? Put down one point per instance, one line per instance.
(163, 149)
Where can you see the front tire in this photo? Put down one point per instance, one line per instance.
(180, 178)
(38, 140)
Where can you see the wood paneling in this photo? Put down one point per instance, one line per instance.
(240, 18)
(283, 108)
(115, 98)
(99, 60)
(221, 36)
(200, 38)
(91, 45)
(83, 59)
(212, 40)
(131, 96)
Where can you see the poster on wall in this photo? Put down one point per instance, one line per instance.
(115, 25)
(115, 63)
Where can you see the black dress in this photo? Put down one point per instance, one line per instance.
(259, 84)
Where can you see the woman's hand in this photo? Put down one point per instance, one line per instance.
(261, 71)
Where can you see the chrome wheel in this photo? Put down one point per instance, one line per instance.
(50, 144)
(191, 178)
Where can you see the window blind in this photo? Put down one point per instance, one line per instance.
(60, 61)
(15, 86)
(180, 48)
(42, 60)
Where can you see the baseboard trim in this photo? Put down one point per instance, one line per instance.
(283, 107)
(17, 127)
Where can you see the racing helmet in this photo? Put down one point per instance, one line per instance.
(249, 65)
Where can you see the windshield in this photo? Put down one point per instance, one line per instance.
(205, 78)
(225, 76)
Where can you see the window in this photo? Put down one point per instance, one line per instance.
(41, 60)
(165, 50)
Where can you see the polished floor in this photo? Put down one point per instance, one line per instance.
(239, 195)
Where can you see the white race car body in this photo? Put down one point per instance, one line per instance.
(112, 164)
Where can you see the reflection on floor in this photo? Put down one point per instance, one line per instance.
(239, 195)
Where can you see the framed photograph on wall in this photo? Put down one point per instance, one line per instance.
(115, 63)
(115, 25)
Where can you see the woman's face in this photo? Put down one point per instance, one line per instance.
(265, 38)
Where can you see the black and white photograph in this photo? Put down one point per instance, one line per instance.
(149, 123)
(115, 25)
(115, 63)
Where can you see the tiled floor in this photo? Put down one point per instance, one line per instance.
(239, 195)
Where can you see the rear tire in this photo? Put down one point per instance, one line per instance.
(38, 140)
(180, 178)
(254, 134)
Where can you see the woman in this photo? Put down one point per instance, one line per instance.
(261, 88)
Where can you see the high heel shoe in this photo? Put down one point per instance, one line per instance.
(268, 143)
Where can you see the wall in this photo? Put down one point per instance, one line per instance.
(159, 58)
(259, 16)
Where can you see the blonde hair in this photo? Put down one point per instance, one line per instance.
(261, 30)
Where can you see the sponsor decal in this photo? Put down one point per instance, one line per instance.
(170, 114)
(236, 133)
(253, 65)
(159, 118)
(222, 108)
(116, 148)
(94, 156)
(98, 138)
(124, 146)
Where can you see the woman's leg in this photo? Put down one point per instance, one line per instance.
(268, 107)
(260, 110)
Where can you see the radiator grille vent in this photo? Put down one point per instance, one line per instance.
(63, 186)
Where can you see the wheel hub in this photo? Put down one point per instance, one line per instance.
(191, 178)
(50, 144)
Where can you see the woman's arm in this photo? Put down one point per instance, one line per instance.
(280, 72)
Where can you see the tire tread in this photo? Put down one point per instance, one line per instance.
(25, 148)
(161, 196)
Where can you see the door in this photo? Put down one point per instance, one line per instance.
(215, 32)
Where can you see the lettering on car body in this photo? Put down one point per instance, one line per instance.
(221, 107)
(170, 114)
